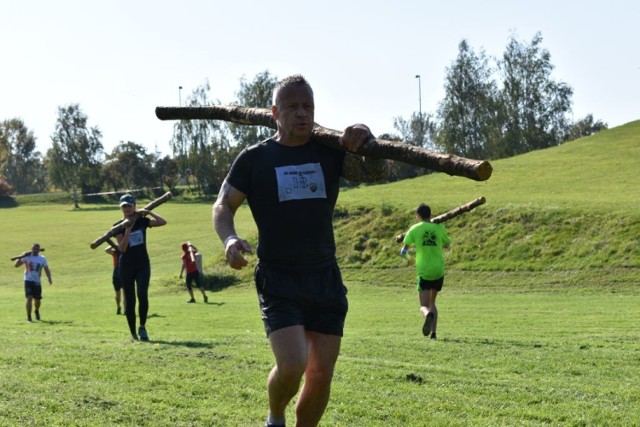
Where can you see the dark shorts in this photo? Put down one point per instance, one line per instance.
(32, 289)
(317, 300)
(115, 280)
(423, 284)
(193, 277)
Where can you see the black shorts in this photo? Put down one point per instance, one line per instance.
(192, 277)
(317, 299)
(431, 284)
(32, 289)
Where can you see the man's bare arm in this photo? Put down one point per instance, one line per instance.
(224, 209)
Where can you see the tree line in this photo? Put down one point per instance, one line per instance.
(493, 108)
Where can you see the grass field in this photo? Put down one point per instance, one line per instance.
(538, 319)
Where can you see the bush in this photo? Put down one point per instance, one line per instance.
(5, 188)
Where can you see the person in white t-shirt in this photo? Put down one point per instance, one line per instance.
(34, 263)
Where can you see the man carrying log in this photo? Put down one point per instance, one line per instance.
(33, 263)
(429, 238)
(291, 183)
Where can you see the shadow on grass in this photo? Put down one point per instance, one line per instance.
(154, 315)
(188, 344)
(218, 282)
(493, 342)
(215, 303)
(8, 202)
(106, 207)
(54, 322)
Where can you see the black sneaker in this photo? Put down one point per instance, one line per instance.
(428, 322)
(206, 299)
(134, 338)
(119, 311)
(29, 319)
(37, 315)
(143, 334)
(191, 301)
(433, 336)
(268, 424)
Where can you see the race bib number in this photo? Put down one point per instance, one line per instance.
(136, 238)
(299, 182)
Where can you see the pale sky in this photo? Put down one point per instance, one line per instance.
(121, 59)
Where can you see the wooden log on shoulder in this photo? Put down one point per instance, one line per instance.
(119, 227)
(451, 214)
(24, 254)
(478, 170)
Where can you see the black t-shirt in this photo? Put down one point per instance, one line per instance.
(137, 249)
(292, 192)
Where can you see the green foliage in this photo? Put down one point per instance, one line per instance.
(504, 110)
(535, 106)
(129, 166)
(5, 188)
(586, 126)
(75, 158)
(166, 171)
(468, 115)
(257, 94)
(201, 147)
(20, 164)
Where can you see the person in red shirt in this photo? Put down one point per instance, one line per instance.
(190, 259)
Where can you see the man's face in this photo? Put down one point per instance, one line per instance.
(294, 113)
(35, 249)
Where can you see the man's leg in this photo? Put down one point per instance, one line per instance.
(426, 311)
(28, 306)
(433, 293)
(289, 347)
(423, 297)
(188, 281)
(313, 399)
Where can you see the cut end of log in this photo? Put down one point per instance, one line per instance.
(484, 171)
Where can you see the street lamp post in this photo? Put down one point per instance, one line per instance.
(420, 107)
(180, 96)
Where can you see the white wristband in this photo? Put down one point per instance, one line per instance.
(229, 237)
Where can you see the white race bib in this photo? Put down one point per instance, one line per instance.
(136, 238)
(297, 182)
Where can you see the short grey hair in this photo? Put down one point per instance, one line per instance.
(295, 80)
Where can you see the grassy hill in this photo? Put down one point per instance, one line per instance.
(574, 206)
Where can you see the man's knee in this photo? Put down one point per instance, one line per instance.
(290, 372)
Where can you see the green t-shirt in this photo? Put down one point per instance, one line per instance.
(428, 238)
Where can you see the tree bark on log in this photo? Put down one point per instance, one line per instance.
(478, 170)
(24, 254)
(451, 214)
(119, 227)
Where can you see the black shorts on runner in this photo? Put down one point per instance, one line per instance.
(32, 289)
(431, 284)
(192, 277)
(316, 300)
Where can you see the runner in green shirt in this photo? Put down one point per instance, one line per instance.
(429, 239)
